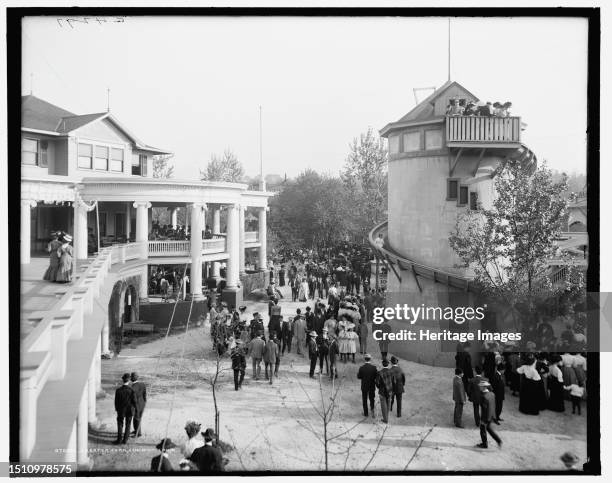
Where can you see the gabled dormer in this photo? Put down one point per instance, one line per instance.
(59, 143)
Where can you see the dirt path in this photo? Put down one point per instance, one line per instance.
(271, 426)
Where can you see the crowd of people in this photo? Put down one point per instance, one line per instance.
(465, 107)
(167, 281)
(60, 258)
(200, 454)
(180, 232)
(331, 333)
(541, 380)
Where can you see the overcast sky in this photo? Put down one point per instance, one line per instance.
(194, 85)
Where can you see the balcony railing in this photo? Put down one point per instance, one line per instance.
(478, 129)
(182, 248)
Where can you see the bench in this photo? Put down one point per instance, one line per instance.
(138, 327)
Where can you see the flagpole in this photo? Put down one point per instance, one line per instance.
(261, 175)
(449, 49)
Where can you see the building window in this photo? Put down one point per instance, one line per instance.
(139, 164)
(29, 151)
(452, 189)
(116, 163)
(34, 152)
(412, 141)
(433, 139)
(101, 162)
(85, 156)
(143, 164)
(394, 146)
(473, 200)
(463, 196)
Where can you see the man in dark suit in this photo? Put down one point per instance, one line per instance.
(499, 389)
(208, 458)
(474, 393)
(367, 374)
(487, 406)
(385, 383)
(125, 405)
(459, 397)
(140, 393)
(398, 387)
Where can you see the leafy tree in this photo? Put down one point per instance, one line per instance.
(223, 168)
(310, 212)
(509, 245)
(161, 166)
(365, 178)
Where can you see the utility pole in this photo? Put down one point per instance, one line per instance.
(449, 50)
(262, 182)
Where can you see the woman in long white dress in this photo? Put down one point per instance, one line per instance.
(303, 294)
(351, 340)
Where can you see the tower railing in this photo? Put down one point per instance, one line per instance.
(475, 129)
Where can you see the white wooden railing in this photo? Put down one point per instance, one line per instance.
(182, 248)
(169, 248)
(483, 129)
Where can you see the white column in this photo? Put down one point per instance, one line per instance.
(216, 228)
(233, 246)
(142, 225)
(27, 416)
(98, 368)
(91, 393)
(174, 218)
(128, 221)
(26, 206)
(82, 432)
(187, 219)
(263, 264)
(241, 237)
(143, 292)
(80, 231)
(104, 340)
(195, 278)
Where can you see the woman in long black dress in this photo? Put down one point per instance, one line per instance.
(530, 393)
(542, 368)
(54, 258)
(555, 385)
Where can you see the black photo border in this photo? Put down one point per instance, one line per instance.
(14, 65)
